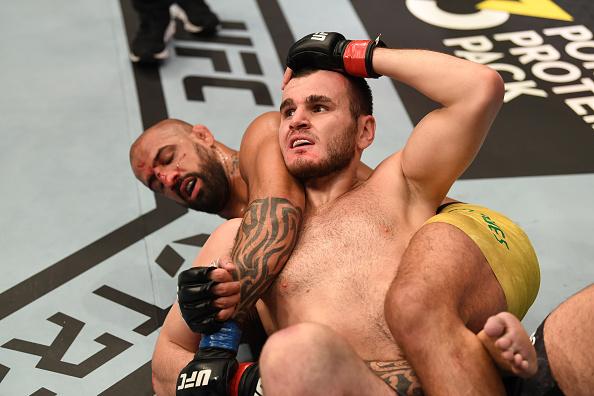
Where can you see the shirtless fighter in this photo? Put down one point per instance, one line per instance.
(330, 312)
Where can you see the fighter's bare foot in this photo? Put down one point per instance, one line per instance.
(509, 345)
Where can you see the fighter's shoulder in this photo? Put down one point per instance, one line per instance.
(228, 227)
(220, 241)
(261, 128)
(389, 170)
(387, 179)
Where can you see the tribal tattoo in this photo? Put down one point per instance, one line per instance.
(264, 242)
(398, 375)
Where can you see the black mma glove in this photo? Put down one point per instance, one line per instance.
(215, 372)
(246, 381)
(331, 51)
(195, 298)
(209, 374)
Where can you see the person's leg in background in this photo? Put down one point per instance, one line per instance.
(155, 29)
(157, 25)
(196, 16)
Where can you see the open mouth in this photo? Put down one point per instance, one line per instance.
(189, 187)
(300, 142)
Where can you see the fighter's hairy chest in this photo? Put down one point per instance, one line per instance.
(351, 238)
(351, 228)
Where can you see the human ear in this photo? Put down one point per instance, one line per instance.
(366, 132)
(203, 134)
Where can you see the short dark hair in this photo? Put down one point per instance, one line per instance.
(361, 98)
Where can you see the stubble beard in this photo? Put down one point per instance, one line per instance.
(215, 191)
(341, 150)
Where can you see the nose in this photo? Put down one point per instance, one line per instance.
(167, 176)
(299, 120)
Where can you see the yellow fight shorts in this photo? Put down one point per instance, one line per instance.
(505, 246)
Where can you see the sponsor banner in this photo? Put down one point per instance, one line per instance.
(543, 49)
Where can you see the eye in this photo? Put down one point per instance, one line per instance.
(167, 155)
(319, 108)
(288, 112)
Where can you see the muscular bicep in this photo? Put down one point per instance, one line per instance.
(262, 165)
(445, 142)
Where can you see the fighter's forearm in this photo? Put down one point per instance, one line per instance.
(264, 242)
(166, 366)
(443, 78)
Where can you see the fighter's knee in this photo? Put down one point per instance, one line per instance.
(291, 358)
(285, 347)
(278, 348)
(403, 306)
(411, 310)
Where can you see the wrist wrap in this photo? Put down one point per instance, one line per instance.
(358, 57)
(227, 337)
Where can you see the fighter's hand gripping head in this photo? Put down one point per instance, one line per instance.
(331, 51)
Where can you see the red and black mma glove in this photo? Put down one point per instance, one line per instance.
(246, 381)
(195, 297)
(331, 51)
(214, 371)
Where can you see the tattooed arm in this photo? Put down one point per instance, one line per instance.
(399, 375)
(272, 220)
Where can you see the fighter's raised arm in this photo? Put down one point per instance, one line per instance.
(445, 141)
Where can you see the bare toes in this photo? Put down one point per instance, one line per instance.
(518, 359)
(508, 355)
(503, 343)
(495, 326)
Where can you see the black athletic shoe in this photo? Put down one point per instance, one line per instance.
(196, 16)
(150, 43)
